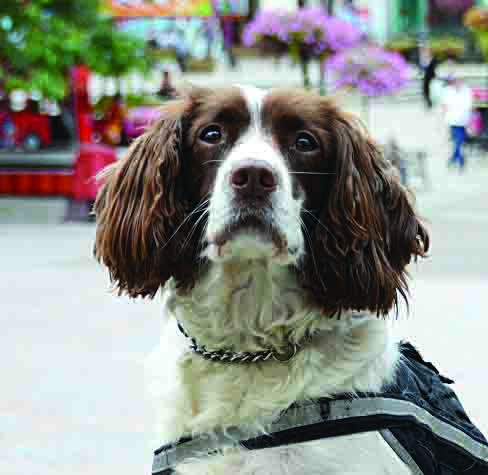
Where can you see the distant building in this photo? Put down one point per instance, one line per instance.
(393, 18)
(389, 18)
(386, 19)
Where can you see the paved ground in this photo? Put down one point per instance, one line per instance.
(73, 398)
(268, 72)
(448, 296)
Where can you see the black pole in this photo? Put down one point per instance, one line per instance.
(330, 7)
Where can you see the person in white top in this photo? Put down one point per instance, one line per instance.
(457, 105)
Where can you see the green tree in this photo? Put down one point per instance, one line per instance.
(41, 39)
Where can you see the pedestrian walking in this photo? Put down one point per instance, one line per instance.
(457, 105)
(429, 76)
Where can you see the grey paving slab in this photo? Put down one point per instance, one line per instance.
(73, 398)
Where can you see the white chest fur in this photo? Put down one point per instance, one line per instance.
(194, 395)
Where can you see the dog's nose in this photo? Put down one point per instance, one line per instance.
(253, 178)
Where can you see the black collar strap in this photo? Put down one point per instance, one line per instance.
(319, 419)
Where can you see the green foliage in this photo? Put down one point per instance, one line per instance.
(41, 39)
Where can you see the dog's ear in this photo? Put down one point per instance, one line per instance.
(141, 206)
(370, 230)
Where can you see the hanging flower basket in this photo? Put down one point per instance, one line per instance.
(310, 32)
(372, 71)
(305, 35)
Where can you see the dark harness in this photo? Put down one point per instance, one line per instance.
(418, 415)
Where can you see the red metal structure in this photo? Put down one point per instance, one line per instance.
(83, 109)
(32, 131)
(74, 181)
(91, 159)
(32, 182)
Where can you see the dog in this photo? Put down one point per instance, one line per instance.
(280, 239)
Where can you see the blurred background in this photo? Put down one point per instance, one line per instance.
(81, 79)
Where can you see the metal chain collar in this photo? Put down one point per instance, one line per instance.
(225, 356)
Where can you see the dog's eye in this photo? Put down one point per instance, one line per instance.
(305, 142)
(211, 134)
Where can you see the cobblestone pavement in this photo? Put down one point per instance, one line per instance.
(73, 396)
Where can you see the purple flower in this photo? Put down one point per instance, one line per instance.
(370, 70)
(310, 30)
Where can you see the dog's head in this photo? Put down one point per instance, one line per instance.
(242, 174)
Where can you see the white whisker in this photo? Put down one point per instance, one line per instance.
(196, 210)
(192, 230)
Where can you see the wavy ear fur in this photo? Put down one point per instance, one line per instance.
(370, 229)
(140, 208)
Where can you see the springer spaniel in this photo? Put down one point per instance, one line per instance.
(280, 237)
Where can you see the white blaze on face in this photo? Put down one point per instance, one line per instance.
(256, 144)
(254, 99)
